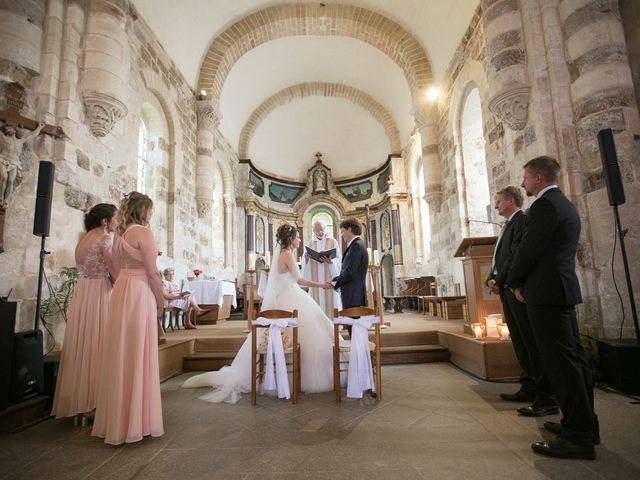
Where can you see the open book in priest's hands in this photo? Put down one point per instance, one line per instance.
(317, 255)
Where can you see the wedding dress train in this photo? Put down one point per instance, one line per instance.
(315, 334)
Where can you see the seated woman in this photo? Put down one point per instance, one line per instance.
(185, 301)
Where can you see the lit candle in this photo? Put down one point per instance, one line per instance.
(267, 259)
(492, 324)
(369, 255)
(503, 331)
(477, 330)
(376, 257)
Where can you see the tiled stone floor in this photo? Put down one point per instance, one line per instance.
(435, 422)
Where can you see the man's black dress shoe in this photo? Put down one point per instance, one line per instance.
(560, 448)
(554, 427)
(532, 411)
(519, 396)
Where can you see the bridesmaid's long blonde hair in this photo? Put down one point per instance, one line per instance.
(134, 208)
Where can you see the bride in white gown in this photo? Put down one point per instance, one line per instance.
(315, 331)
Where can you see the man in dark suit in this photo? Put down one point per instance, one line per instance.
(355, 263)
(534, 384)
(543, 276)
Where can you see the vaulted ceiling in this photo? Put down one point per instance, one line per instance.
(292, 79)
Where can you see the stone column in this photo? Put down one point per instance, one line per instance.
(270, 230)
(417, 225)
(509, 87)
(250, 236)
(426, 123)
(374, 235)
(228, 230)
(396, 234)
(106, 65)
(208, 120)
(602, 96)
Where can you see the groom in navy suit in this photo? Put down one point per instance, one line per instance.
(355, 263)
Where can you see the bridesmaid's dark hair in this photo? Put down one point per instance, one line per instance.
(134, 209)
(93, 219)
(286, 234)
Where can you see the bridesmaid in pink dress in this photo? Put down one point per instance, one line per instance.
(88, 313)
(129, 405)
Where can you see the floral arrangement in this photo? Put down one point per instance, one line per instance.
(197, 272)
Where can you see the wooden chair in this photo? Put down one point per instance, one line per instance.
(259, 353)
(173, 314)
(374, 348)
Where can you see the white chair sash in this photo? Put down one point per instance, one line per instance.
(275, 351)
(360, 372)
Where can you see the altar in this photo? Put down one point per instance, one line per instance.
(217, 296)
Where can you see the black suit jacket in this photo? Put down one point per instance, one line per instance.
(507, 248)
(544, 266)
(353, 275)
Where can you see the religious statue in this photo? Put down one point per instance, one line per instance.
(320, 181)
(10, 150)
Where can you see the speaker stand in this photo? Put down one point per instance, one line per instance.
(3, 213)
(621, 234)
(43, 253)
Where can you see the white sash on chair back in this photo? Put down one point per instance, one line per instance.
(278, 378)
(360, 373)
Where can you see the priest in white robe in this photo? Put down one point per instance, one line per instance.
(323, 272)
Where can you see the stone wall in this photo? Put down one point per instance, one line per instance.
(97, 162)
(570, 77)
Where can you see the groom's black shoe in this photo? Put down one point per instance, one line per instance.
(536, 411)
(372, 394)
(561, 448)
(519, 396)
(554, 427)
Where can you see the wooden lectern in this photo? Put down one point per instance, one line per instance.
(477, 253)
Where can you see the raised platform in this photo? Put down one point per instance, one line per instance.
(412, 338)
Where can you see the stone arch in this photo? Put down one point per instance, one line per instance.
(321, 89)
(473, 175)
(319, 20)
(166, 99)
(308, 201)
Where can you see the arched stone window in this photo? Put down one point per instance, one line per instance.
(142, 156)
(425, 220)
(475, 200)
(153, 167)
(325, 217)
(217, 221)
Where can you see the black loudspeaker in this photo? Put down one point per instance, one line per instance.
(619, 360)
(610, 167)
(44, 195)
(7, 326)
(27, 378)
(51, 368)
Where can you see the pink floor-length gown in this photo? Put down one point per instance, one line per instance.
(84, 334)
(129, 405)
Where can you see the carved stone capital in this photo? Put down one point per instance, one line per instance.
(228, 200)
(204, 206)
(103, 112)
(434, 199)
(209, 115)
(511, 106)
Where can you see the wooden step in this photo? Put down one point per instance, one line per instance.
(414, 354)
(217, 344)
(395, 339)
